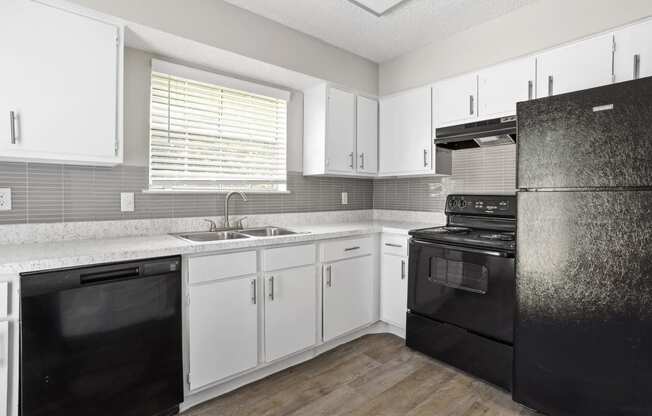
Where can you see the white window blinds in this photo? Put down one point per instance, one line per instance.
(210, 132)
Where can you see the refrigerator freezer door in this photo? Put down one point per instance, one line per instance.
(601, 137)
(583, 336)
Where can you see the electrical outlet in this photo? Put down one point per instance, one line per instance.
(127, 202)
(345, 198)
(5, 199)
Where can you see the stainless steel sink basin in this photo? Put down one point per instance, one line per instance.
(267, 232)
(204, 236)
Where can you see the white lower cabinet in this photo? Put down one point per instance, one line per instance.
(4, 369)
(223, 329)
(348, 295)
(290, 311)
(393, 289)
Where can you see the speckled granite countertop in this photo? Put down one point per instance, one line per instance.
(15, 259)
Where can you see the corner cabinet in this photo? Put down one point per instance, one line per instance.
(406, 145)
(61, 83)
(340, 133)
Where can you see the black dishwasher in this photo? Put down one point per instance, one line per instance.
(102, 340)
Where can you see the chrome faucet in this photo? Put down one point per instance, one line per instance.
(226, 206)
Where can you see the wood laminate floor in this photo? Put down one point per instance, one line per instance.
(376, 375)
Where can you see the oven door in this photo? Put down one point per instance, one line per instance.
(466, 287)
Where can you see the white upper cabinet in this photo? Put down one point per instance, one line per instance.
(61, 83)
(500, 87)
(633, 55)
(334, 120)
(367, 135)
(574, 67)
(340, 131)
(406, 144)
(455, 100)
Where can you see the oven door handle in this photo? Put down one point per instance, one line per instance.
(493, 253)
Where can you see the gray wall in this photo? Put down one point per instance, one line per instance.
(529, 29)
(222, 25)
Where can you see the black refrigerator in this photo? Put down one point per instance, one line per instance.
(583, 329)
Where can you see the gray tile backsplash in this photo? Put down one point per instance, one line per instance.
(65, 193)
(482, 170)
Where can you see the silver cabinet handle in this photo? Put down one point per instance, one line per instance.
(402, 269)
(329, 276)
(471, 106)
(425, 158)
(393, 245)
(12, 124)
(362, 160)
(551, 83)
(253, 291)
(352, 248)
(530, 90)
(271, 288)
(637, 66)
(351, 156)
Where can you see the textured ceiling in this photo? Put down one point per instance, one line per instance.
(413, 24)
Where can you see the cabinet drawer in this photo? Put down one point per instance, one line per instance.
(344, 249)
(395, 244)
(286, 257)
(207, 268)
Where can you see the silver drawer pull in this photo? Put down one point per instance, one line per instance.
(253, 291)
(329, 276)
(402, 269)
(352, 248)
(530, 90)
(351, 157)
(551, 85)
(362, 160)
(471, 106)
(393, 245)
(637, 66)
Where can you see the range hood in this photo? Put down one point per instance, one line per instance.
(494, 132)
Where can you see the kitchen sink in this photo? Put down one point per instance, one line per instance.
(267, 232)
(204, 236)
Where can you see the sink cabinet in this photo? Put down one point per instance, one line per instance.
(223, 298)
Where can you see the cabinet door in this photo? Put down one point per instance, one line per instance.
(455, 100)
(367, 135)
(348, 295)
(340, 132)
(290, 311)
(4, 369)
(223, 329)
(405, 133)
(502, 86)
(61, 82)
(393, 289)
(575, 67)
(633, 56)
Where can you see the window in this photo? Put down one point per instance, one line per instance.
(213, 133)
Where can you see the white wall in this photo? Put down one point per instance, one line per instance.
(137, 96)
(222, 25)
(532, 28)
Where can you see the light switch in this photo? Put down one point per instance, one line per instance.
(127, 202)
(345, 198)
(5, 199)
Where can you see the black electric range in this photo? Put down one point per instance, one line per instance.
(461, 287)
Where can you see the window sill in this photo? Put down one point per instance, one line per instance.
(209, 191)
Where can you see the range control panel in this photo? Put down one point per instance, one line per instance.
(493, 205)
